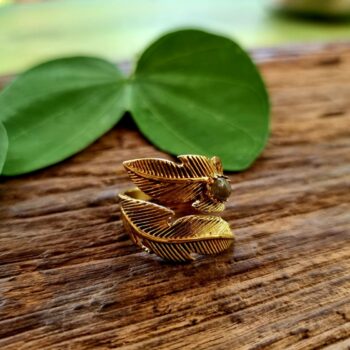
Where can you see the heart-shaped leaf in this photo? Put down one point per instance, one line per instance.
(191, 92)
(199, 93)
(58, 108)
(3, 146)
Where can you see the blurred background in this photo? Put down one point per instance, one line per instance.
(34, 31)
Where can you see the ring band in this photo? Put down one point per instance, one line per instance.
(158, 229)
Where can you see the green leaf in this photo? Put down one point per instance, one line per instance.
(3, 146)
(191, 93)
(195, 92)
(58, 108)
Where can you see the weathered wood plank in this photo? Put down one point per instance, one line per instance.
(70, 277)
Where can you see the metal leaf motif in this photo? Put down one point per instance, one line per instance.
(155, 229)
(171, 182)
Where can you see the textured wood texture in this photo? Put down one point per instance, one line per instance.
(71, 279)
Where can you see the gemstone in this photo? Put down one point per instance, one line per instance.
(221, 189)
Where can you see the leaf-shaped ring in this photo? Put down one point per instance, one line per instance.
(197, 180)
(155, 228)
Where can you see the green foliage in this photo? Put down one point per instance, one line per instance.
(58, 108)
(200, 93)
(3, 145)
(191, 92)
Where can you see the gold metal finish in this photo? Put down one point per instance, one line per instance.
(190, 181)
(157, 229)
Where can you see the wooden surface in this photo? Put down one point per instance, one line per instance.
(71, 279)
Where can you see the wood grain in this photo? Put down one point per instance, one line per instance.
(71, 279)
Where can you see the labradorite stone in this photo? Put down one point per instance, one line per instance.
(221, 189)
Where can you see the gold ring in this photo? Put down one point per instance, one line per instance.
(196, 183)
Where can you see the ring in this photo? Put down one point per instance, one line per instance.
(196, 183)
